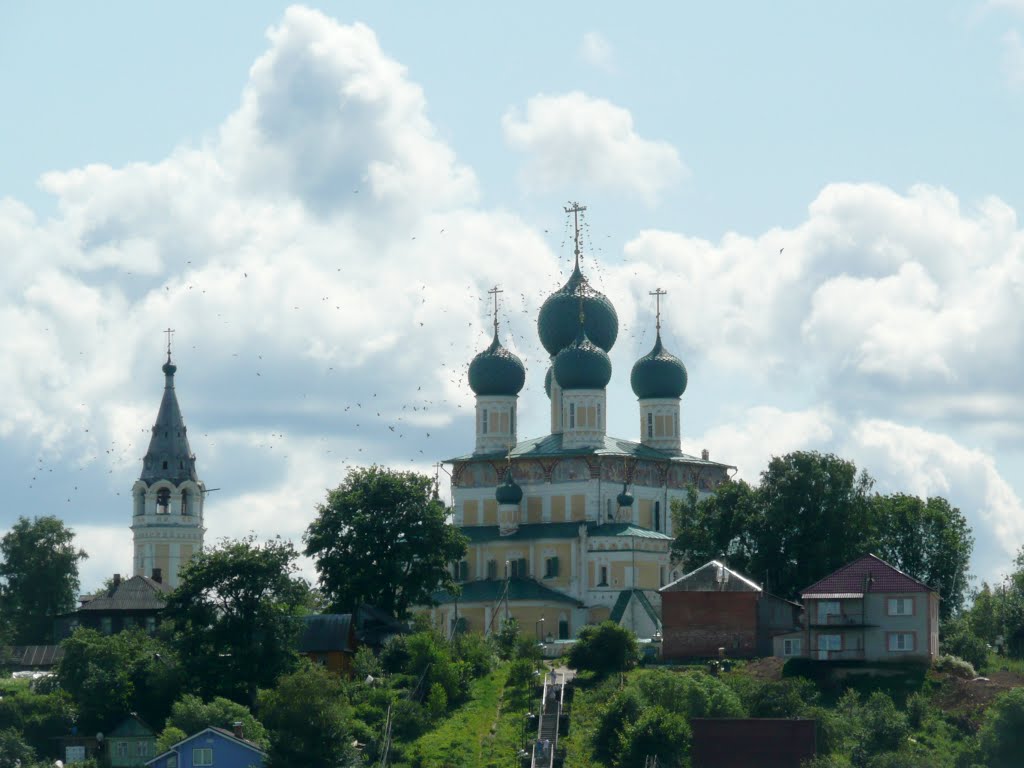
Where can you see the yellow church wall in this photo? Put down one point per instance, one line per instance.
(558, 509)
(646, 513)
(470, 510)
(490, 512)
(590, 574)
(534, 509)
(648, 575)
(599, 613)
(579, 506)
(617, 576)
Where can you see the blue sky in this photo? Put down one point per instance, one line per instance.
(317, 199)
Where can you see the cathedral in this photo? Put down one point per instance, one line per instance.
(167, 515)
(574, 527)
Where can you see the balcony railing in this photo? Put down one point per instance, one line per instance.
(838, 620)
(847, 654)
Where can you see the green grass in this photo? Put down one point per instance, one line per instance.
(995, 661)
(588, 703)
(486, 732)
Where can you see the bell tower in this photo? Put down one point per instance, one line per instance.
(167, 515)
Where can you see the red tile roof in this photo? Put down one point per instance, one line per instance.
(865, 574)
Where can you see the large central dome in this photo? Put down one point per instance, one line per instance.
(559, 319)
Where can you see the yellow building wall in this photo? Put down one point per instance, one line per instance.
(558, 509)
(490, 512)
(617, 575)
(646, 513)
(470, 512)
(599, 613)
(648, 575)
(591, 573)
(534, 509)
(579, 506)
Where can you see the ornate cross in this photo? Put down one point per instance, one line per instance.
(657, 293)
(576, 209)
(169, 332)
(494, 292)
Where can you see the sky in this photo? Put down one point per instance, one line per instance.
(317, 199)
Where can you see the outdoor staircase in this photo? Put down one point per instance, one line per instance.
(544, 750)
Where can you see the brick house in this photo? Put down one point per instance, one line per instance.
(715, 607)
(868, 610)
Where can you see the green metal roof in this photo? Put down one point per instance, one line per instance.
(496, 371)
(626, 529)
(619, 609)
(559, 315)
(659, 373)
(478, 534)
(550, 446)
(169, 456)
(583, 365)
(491, 590)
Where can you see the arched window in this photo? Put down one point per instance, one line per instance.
(184, 503)
(657, 515)
(163, 501)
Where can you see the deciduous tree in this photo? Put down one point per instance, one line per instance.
(38, 577)
(237, 615)
(382, 537)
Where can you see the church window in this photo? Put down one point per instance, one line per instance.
(650, 424)
(512, 421)
(599, 426)
(520, 568)
(603, 582)
(463, 570)
(572, 415)
(563, 629)
(163, 501)
(551, 568)
(609, 509)
(657, 515)
(492, 569)
(483, 421)
(184, 503)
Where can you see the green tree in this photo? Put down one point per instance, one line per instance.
(623, 708)
(190, 714)
(655, 733)
(109, 676)
(237, 615)
(1002, 735)
(36, 717)
(383, 538)
(927, 539)
(604, 649)
(38, 577)
(14, 751)
(309, 719)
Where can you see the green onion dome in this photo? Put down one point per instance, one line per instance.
(547, 381)
(625, 498)
(508, 492)
(496, 371)
(582, 364)
(559, 316)
(658, 374)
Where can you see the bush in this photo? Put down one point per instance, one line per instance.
(958, 640)
(521, 673)
(658, 733)
(783, 698)
(624, 708)
(604, 649)
(476, 651)
(955, 666)
(1002, 735)
(692, 694)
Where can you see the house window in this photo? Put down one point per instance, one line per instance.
(826, 609)
(791, 646)
(901, 641)
(122, 749)
(141, 749)
(202, 756)
(551, 568)
(830, 643)
(172, 761)
(901, 606)
(603, 582)
(106, 625)
(151, 624)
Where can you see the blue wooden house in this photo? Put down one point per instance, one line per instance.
(211, 748)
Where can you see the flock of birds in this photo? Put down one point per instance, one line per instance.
(371, 426)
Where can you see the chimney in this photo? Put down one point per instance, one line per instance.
(117, 580)
(238, 730)
(705, 454)
(158, 576)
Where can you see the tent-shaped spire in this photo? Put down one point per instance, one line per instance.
(169, 457)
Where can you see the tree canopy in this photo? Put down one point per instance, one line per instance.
(382, 538)
(236, 616)
(38, 577)
(813, 513)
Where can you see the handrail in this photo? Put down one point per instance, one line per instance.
(542, 753)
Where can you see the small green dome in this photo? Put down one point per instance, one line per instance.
(496, 371)
(658, 374)
(582, 365)
(625, 498)
(508, 492)
(559, 316)
(547, 381)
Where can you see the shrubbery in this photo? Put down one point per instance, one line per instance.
(955, 666)
(604, 649)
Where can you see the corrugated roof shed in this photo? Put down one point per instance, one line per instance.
(326, 632)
